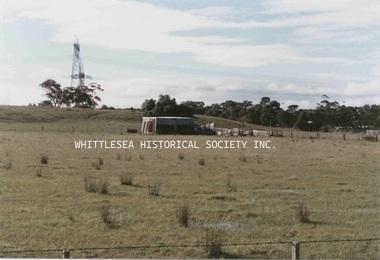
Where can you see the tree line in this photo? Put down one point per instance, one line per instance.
(326, 116)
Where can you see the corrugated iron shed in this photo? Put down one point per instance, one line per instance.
(167, 125)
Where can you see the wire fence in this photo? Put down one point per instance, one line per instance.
(322, 135)
(127, 128)
(295, 247)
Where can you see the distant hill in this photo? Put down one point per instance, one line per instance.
(31, 114)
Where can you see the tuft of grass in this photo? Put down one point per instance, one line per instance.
(7, 164)
(127, 179)
(96, 165)
(229, 184)
(303, 214)
(39, 171)
(90, 184)
(243, 158)
(106, 217)
(222, 197)
(251, 215)
(154, 190)
(183, 215)
(181, 156)
(103, 187)
(213, 243)
(101, 162)
(105, 214)
(260, 159)
(202, 161)
(71, 218)
(44, 158)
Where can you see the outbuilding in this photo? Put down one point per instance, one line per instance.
(167, 125)
(372, 132)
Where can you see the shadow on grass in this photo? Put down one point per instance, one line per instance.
(313, 222)
(226, 255)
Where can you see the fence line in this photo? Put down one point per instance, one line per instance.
(71, 128)
(340, 240)
(323, 135)
(295, 246)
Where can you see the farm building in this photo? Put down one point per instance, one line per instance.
(373, 132)
(167, 125)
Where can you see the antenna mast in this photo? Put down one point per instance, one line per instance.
(77, 74)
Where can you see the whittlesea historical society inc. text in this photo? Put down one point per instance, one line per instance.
(170, 144)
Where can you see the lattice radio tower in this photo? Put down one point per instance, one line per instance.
(77, 74)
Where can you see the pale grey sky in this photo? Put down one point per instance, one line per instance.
(293, 51)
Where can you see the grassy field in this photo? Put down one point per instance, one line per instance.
(51, 119)
(237, 195)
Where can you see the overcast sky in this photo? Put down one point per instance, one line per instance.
(293, 51)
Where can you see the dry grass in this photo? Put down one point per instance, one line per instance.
(243, 158)
(127, 178)
(90, 184)
(101, 161)
(7, 164)
(96, 165)
(44, 158)
(201, 161)
(103, 187)
(107, 217)
(183, 215)
(303, 213)
(181, 156)
(154, 189)
(39, 171)
(77, 120)
(230, 185)
(338, 179)
(93, 184)
(213, 242)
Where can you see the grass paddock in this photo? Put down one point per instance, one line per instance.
(46, 206)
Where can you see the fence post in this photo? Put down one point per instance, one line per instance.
(295, 250)
(66, 253)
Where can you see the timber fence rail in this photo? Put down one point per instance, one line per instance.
(295, 247)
